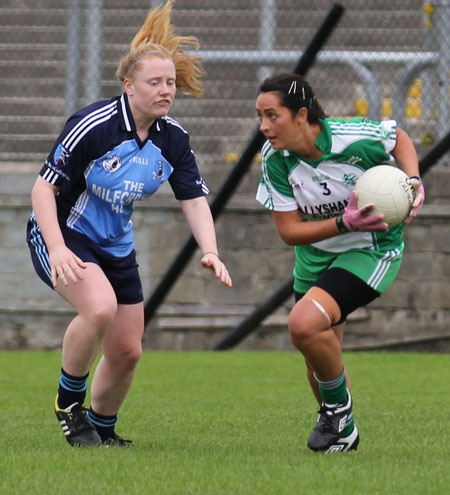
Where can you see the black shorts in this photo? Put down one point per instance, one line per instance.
(348, 290)
(122, 273)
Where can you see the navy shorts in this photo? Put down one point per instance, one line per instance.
(122, 273)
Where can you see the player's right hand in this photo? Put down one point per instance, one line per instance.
(212, 261)
(360, 220)
(65, 265)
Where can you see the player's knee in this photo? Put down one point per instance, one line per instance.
(133, 356)
(102, 314)
(306, 321)
(126, 358)
(299, 329)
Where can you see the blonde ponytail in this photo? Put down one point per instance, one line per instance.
(157, 38)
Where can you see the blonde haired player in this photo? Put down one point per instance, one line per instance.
(344, 257)
(110, 154)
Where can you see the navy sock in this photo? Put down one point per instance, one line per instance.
(103, 424)
(71, 389)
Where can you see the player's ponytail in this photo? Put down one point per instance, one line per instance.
(157, 38)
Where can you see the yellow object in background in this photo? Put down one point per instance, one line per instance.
(413, 107)
(361, 107)
(234, 157)
(386, 108)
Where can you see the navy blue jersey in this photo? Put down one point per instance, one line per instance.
(102, 167)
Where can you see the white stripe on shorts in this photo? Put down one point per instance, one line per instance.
(40, 248)
(382, 268)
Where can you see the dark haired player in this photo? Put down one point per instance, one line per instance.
(344, 257)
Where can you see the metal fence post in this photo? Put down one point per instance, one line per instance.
(94, 44)
(442, 25)
(267, 33)
(73, 56)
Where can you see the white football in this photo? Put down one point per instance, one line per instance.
(389, 189)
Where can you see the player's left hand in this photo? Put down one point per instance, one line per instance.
(212, 261)
(419, 199)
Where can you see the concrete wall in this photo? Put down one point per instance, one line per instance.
(198, 312)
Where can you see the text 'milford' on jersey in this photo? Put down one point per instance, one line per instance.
(102, 167)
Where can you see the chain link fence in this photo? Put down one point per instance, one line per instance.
(385, 59)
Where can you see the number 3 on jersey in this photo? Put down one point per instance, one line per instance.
(326, 191)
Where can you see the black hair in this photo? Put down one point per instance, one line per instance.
(294, 93)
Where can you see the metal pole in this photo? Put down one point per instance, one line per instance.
(241, 168)
(373, 91)
(427, 86)
(410, 72)
(73, 56)
(442, 27)
(267, 33)
(94, 44)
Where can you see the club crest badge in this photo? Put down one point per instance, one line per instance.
(112, 164)
(158, 173)
(61, 156)
(349, 179)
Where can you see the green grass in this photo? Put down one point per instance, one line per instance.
(232, 423)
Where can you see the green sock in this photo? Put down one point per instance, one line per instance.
(335, 392)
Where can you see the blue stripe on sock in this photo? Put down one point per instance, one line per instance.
(102, 421)
(73, 384)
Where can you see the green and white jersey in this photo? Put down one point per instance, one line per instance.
(321, 188)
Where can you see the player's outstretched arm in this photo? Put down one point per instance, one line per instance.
(201, 223)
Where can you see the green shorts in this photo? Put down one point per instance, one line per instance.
(378, 269)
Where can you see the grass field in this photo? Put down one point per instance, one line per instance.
(232, 423)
